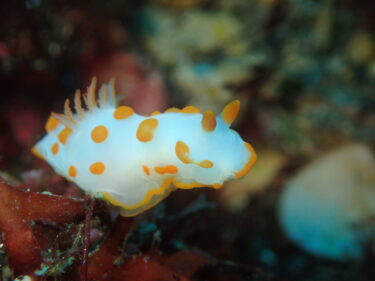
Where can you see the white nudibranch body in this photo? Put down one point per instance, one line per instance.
(135, 161)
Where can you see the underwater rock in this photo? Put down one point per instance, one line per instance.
(328, 208)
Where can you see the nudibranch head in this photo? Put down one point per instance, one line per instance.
(135, 161)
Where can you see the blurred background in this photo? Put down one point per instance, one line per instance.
(304, 72)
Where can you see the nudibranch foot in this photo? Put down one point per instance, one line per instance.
(153, 197)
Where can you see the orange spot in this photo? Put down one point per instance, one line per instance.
(155, 113)
(208, 121)
(159, 170)
(99, 134)
(173, 109)
(51, 124)
(146, 170)
(97, 168)
(123, 112)
(190, 109)
(206, 164)
(252, 159)
(37, 153)
(146, 128)
(182, 152)
(64, 134)
(72, 171)
(55, 148)
(171, 169)
(230, 111)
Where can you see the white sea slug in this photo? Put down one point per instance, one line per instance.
(135, 161)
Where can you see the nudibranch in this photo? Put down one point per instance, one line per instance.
(135, 161)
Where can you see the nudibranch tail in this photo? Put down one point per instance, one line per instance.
(37, 153)
(135, 161)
